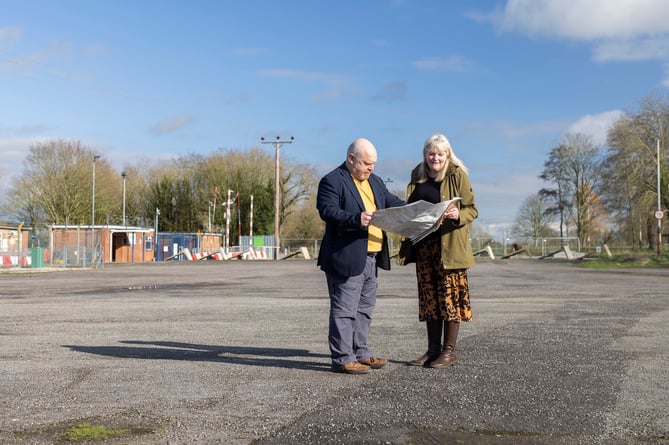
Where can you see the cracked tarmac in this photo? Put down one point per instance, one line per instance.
(236, 352)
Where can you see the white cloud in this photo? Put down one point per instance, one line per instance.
(338, 86)
(394, 91)
(171, 125)
(512, 130)
(451, 63)
(54, 60)
(596, 125)
(586, 19)
(380, 42)
(619, 30)
(9, 37)
(653, 48)
(302, 75)
(249, 51)
(13, 151)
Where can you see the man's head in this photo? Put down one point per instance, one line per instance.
(360, 159)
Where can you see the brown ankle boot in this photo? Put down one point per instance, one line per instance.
(424, 359)
(447, 357)
(434, 328)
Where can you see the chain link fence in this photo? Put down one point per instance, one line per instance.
(77, 248)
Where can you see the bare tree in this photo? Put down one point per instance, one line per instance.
(304, 222)
(630, 168)
(56, 185)
(583, 167)
(574, 167)
(555, 172)
(534, 219)
(245, 173)
(298, 183)
(192, 189)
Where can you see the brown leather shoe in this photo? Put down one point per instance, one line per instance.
(351, 368)
(374, 362)
(446, 358)
(425, 359)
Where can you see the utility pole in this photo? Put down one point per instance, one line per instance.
(95, 158)
(659, 214)
(251, 223)
(209, 225)
(213, 215)
(277, 146)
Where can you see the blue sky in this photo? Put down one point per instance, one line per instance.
(503, 80)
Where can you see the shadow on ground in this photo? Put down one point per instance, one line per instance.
(239, 355)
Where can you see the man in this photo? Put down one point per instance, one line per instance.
(350, 253)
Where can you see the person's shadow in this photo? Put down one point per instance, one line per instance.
(241, 355)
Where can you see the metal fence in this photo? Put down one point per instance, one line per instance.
(528, 246)
(15, 257)
(170, 244)
(81, 249)
(290, 245)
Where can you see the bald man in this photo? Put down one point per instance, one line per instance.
(351, 252)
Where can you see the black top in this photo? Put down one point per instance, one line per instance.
(429, 191)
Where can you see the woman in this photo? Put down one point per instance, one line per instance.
(442, 258)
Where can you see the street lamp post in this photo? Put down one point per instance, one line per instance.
(659, 213)
(227, 222)
(155, 234)
(123, 176)
(209, 226)
(277, 146)
(95, 158)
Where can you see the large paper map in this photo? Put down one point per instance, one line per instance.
(414, 221)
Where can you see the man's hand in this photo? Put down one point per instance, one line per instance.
(365, 218)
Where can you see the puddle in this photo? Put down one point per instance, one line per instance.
(168, 286)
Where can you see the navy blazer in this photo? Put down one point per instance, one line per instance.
(344, 247)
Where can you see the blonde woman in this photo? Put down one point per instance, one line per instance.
(442, 258)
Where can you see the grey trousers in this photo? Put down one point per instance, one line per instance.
(352, 302)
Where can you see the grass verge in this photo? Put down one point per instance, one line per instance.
(626, 260)
(87, 431)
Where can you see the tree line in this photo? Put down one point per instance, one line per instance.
(597, 194)
(604, 194)
(190, 192)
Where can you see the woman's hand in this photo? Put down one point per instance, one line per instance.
(451, 213)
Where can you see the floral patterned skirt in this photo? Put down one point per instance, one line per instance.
(442, 294)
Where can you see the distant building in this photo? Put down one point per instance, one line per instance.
(171, 245)
(14, 241)
(82, 245)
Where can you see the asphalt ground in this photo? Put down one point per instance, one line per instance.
(236, 353)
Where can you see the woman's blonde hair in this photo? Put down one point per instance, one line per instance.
(439, 142)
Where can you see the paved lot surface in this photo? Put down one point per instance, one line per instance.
(236, 353)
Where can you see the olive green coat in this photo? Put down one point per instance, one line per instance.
(456, 249)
